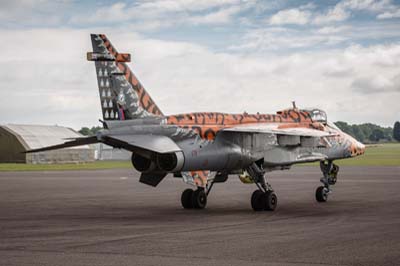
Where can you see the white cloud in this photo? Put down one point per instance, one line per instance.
(14, 5)
(341, 11)
(333, 30)
(43, 85)
(390, 14)
(41, 71)
(115, 13)
(221, 16)
(281, 39)
(165, 13)
(376, 84)
(344, 9)
(290, 16)
(335, 14)
(31, 12)
(184, 5)
(370, 5)
(150, 10)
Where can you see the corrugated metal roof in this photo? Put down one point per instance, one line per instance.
(38, 136)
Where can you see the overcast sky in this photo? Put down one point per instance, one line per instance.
(210, 55)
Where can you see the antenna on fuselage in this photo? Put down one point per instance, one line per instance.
(294, 104)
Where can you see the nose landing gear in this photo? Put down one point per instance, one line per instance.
(330, 172)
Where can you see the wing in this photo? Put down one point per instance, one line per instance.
(142, 144)
(68, 144)
(135, 143)
(290, 135)
(281, 130)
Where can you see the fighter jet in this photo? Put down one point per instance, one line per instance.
(206, 148)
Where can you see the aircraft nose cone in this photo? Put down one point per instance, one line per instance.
(358, 148)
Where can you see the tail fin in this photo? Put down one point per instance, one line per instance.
(121, 94)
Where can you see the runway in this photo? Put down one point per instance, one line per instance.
(107, 217)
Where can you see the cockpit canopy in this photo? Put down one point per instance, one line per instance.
(317, 115)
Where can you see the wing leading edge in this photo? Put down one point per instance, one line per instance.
(73, 143)
(279, 130)
(134, 143)
(142, 144)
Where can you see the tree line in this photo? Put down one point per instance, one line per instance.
(371, 133)
(366, 133)
(89, 131)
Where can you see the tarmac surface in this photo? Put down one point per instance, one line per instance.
(107, 217)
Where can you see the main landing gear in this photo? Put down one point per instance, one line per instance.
(194, 199)
(264, 198)
(330, 171)
(197, 199)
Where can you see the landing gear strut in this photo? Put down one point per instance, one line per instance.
(264, 198)
(330, 171)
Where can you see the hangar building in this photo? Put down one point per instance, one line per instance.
(14, 139)
(104, 152)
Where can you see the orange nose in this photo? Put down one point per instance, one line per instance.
(357, 148)
(360, 148)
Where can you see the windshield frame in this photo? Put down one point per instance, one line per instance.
(317, 115)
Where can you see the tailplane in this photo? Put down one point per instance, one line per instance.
(122, 96)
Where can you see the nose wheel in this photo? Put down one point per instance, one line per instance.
(330, 172)
(321, 194)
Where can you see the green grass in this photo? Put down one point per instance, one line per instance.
(65, 167)
(375, 155)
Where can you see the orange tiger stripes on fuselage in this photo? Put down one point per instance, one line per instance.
(206, 125)
(145, 101)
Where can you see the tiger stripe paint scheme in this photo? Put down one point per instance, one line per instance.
(145, 101)
(207, 147)
(130, 100)
(205, 125)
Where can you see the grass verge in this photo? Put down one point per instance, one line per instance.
(375, 155)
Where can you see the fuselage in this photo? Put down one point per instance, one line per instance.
(202, 138)
(204, 148)
(207, 146)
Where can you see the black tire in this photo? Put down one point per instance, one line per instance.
(335, 169)
(271, 201)
(258, 200)
(186, 198)
(199, 199)
(321, 195)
